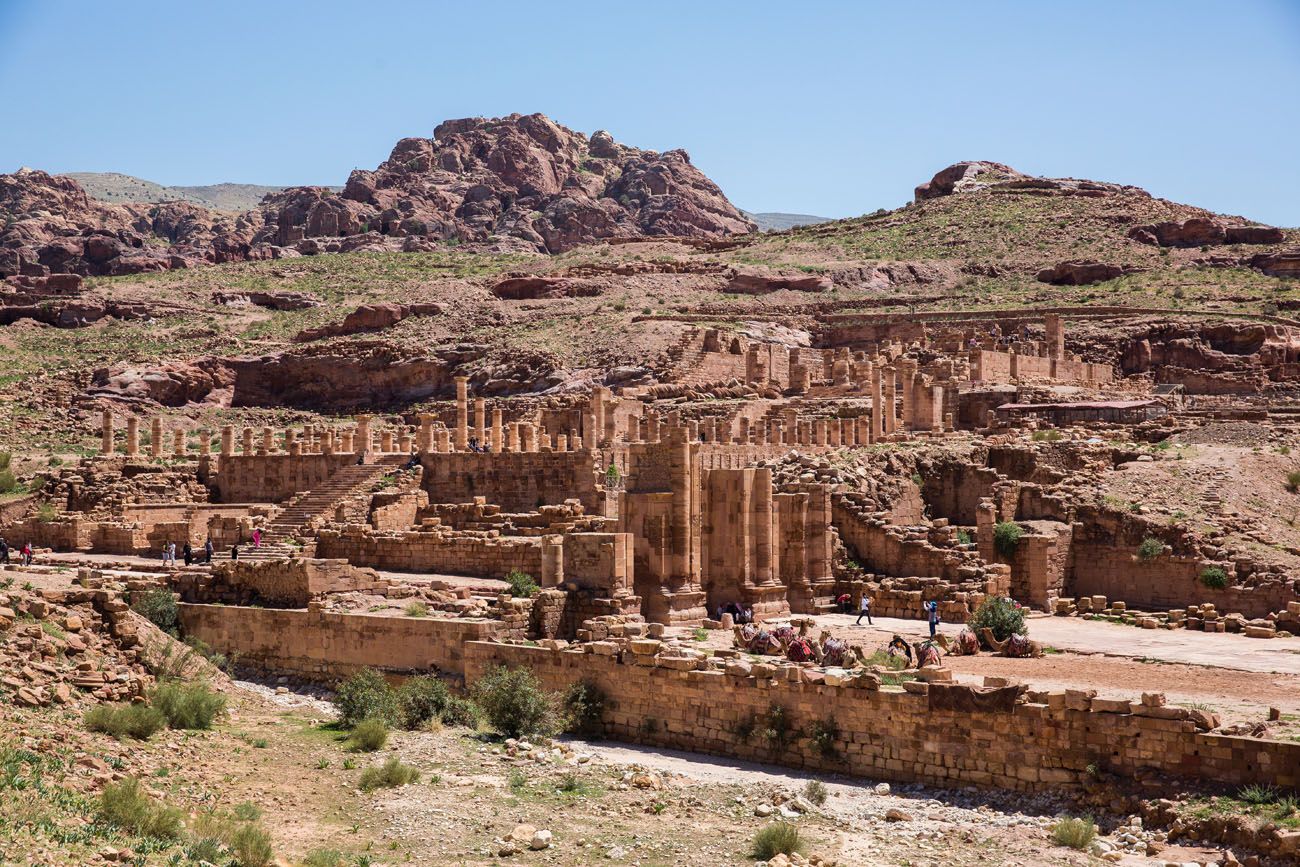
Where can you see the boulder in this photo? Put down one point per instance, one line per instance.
(1081, 273)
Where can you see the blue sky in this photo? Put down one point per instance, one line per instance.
(832, 108)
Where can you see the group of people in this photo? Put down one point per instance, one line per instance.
(24, 552)
(187, 553)
(844, 602)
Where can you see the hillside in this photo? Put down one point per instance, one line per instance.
(115, 188)
(775, 221)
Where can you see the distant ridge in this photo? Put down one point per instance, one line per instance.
(774, 221)
(118, 189)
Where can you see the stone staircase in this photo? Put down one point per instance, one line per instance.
(308, 506)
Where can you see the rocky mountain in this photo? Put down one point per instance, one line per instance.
(115, 189)
(520, 183)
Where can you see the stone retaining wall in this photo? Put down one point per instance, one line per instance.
(893, 735)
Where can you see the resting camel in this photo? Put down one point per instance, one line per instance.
(775, 642)
(837, 652)
(1016, 645)
(966, 643)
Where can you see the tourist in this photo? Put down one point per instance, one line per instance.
(257, 537)
(27, 553)
(188, 554)
(864, 610)
(234, 551)
(4, 550)
(932, 614)
(166, 553)
(171, 553)
(207, 550)
(845, 603)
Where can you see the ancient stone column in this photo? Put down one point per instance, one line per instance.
(561, 442)
(497, 433)
(442, 437)
(759, 433)
(227, 440)
(512, 437)
(132, 436)
(864, 430)
(205, 442)
(819, 432)
(247, 441)
(268, 442)
(877, 406)
(1055, 335)
(178, 443)
(552, 561)
(361, 439)
(386, 442)
(907, 373)
(652, 427)
(764, 517)
(404, 443)
(106, 433)
(480, 421)
(742, 430)
(156, 438)
(462, 413)
(346, 441)
(544, 441)
(692, 431)
(891, 397)
(526, 437)
(599, 397)
(424, 438)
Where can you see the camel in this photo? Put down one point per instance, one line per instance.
(837, 652)
(1016, 645)
(966, 643)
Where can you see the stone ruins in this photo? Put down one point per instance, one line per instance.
(750, 476)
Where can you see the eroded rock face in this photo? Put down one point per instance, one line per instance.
(366, 318)
(760, 282)
(521, 176)
(972, 175)
(1079, 273)
(172, 384)
(1203, 232)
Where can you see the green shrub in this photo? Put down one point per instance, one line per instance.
(159, 608)
(251, 845)
(188, 705)
(1000, 614)
(368, 735)
(584, 709)
(126, 806)
(416, 609)
(825, 734)
(777, 729)
(1292, 481)
(366, 695)
(1006, 538)
(514, 703)
(521, 584)
(421, 699)
(1215, 577)
(963, 537)
(459, 712)
(1150, 549)
(778, 838)
(8, 481)
(389, 775)
(1075, 833)
(324, 858)
(125, 720)
(815, 791)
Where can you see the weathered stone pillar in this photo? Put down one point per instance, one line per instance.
(597, 410)
(480, 421)
(552, 561)
(227, 440)
(652, 427)
(361, 439)
(247, 440)
(907, 372)
(156, 438)
(497, 433)
(526, 443)
(877, 406)
(819, 432)
(205, 442)
(268, 441)
(1055, 335)
(106, 433)
(864, 430)
(891, 397)
(561, 442)
(462, 413)
(442, 437)
(742, 430)
(512, 437)
(347, 441)
(404, 443)
(386, 442)
(178, 443)
(590, 432)
(764, 517)
(424, 439)
(132, 436)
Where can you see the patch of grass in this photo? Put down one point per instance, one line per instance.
(389, 775)
(125, 805)
(324, 858)
(416, 609)
(368, 736)
(1073, 832)
(778, 838)
(138, 721)
(699, 633)
(191, 706)
(1293, 481)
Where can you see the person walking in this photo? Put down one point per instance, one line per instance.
(171, 553)
(257, 537)
(932, 614)
(188, 554)
(864, 610)
(27, 553)
(166, 553)
(234, 551)
(207, 550)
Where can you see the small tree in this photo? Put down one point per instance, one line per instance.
(515, 704)
(1003, 616)
(1214, 577)
(1006, 538)
(521, 584)
(366, 695)
(159, 608)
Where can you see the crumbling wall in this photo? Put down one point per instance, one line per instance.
(515, 481)
(273, 478)
(432, 550)
(901, 736)
(328, 647)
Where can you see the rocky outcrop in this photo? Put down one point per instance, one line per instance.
(172, 384)
(520, 288)
(1077, 273)
(367, 318)
(269, 300)
(523, 177)
(1285, 264)
(761, 282)
(1203, 232)
(974, 175)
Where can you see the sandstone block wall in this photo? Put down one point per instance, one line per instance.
(328, 647)
(891, 735)
(515, 481)
(433, 551)
(273, 478)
